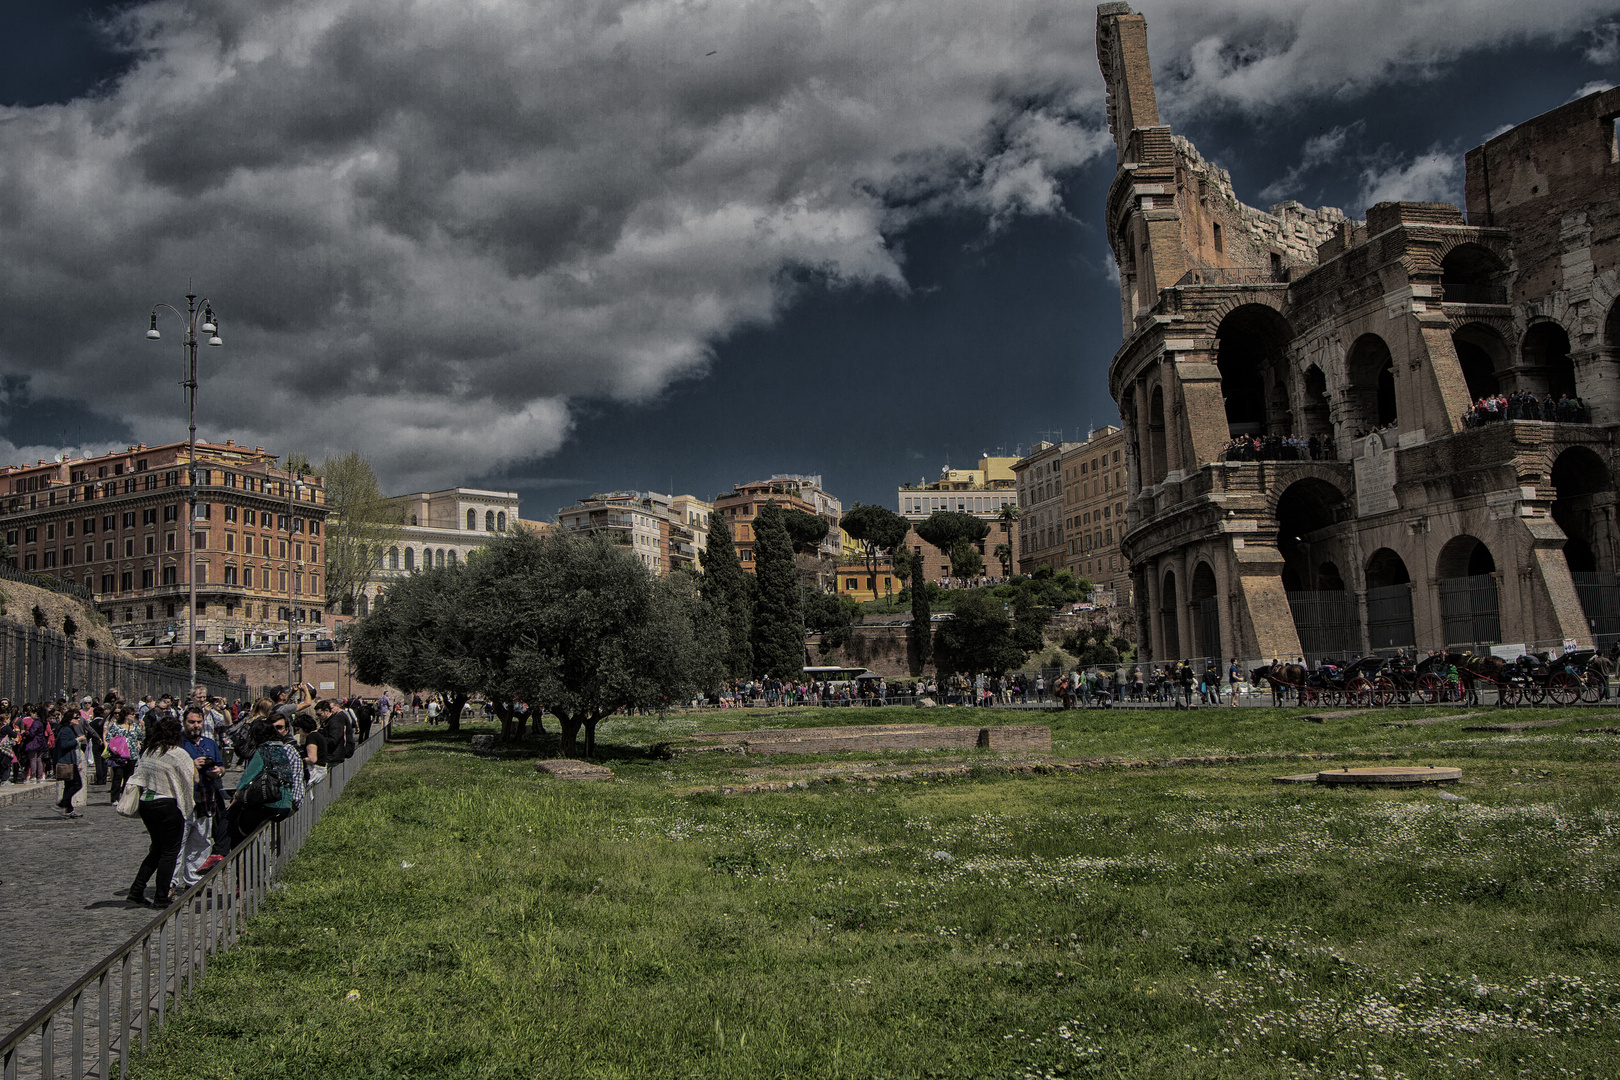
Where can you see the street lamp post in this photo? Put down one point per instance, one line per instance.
(296, 484)
(194, 319)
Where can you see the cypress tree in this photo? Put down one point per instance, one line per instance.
(922, 615)
(729, 593)
(778, 630)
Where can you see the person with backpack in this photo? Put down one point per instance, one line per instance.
(273, 752)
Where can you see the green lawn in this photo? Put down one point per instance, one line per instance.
(1183, 921)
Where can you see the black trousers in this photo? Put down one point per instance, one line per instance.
(166, 825)
(241, 819)
(71, 788)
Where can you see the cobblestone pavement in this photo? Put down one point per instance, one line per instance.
(62, 886)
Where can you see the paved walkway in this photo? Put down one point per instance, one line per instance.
(62, 886)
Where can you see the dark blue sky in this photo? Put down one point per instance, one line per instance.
(1001, 337)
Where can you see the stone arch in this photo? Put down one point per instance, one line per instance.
(451, 556)
(1469, 605)
(1170, 628)
(1204, 611)
(472, 520)
(438, 558)
(1545, 355)
(1370, 398)
(1584, 507)
(489, 521)
(1303, 510)
(1389, 602)
(1158, 462)
(1468, 275)
(393, 558)
(500, 521)
(363, 606)
(1483, 356)
(410, 558)
(1464, 556)
(1317, 414)
(1253, 340)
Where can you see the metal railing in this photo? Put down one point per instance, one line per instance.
(120, 1003)
(36, 663)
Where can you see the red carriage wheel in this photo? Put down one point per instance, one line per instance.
(1507, 695)
(1384, 691)
(1564, 688)
(1430, 687)
(1593, 686)
(1358, 691)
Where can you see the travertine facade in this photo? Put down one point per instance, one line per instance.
(1369, 509)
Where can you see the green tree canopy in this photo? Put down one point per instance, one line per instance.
(979, 638)
(778, 635)
(832, 616)
(361, 526)
(805, 531)
(418, 638)
(948, 529)
(922, 615)
(876, 529)
(730, 592)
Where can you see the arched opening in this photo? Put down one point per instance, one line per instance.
(393, 558)
(1611, 326)
(1483, 355)
(1170, 629)
(472, 520)
(451, 556)
(1389, 602)
(1282, 416)
(1324, 610)
(1318, 417)
(1468, 276)
(438, 558)
(1252, 354)
(1468, 597)
(410, 558)
(489, 521)
(1206, 613)
(1158, 461)
(500, 521)
(1371, 396)
(363, 606)
(1584, 507)
(1548, 367)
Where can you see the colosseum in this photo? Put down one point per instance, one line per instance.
(1311, 469)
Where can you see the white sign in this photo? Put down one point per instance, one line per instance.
(1507, 652)
(1375, 478)
(328, 686)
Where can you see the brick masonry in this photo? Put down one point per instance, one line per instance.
(884, 737)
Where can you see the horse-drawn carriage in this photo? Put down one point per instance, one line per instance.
(1580, 675)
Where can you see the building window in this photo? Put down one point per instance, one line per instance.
(109, 523)
(168, 542)
(171, 575)
(149, 516)
(108, 549)
(230, 513)
(489, 521)
(230, 541)
(151, 542)
(129, 548)
(146, 581)
(500, 521)
(230, 575)
(247, 543)
(126, 581)
(199, 540)
(202, 579)
(472, 520)
(106, 583)
(249, 517)
(410, 558)
(89, 526)
(247, 578)
(393, 558)
(30, 535)
(171, 512)
(89, 552)
(129, 519)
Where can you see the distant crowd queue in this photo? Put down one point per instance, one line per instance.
(1524, 405)
(166, 759)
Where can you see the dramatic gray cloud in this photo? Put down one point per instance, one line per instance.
(429, 227)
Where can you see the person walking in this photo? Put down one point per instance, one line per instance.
(166, 776)
(123, 737)
(69, 752)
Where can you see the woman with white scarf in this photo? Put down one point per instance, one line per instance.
(165, 775)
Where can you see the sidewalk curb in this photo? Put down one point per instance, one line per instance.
(16, 793)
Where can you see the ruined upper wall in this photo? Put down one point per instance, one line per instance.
(1122, 55)
(1554, 182)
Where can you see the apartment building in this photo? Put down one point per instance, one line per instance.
(981, 492)
(1094, 501)
(741, 506)
(1040, 485)
(116, 526)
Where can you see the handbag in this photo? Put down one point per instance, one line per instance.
(263, 789)
(129, 803)
(65, 770)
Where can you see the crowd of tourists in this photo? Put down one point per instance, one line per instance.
(165, 760)
(1279, 448)
(1523, 405)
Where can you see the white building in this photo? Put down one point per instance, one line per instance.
(440, 529)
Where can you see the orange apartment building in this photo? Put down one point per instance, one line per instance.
(115, 526)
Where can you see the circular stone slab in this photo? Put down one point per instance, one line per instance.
(1391, 776)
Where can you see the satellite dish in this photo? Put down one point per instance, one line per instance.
(57, 459)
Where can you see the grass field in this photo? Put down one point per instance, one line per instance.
(457, 915)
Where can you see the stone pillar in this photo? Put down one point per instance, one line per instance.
(1153, 630)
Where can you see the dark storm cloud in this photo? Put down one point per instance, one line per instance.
(431, 229)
